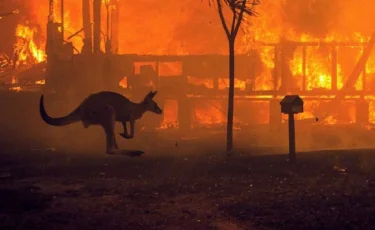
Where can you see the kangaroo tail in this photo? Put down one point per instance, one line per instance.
(59, 121)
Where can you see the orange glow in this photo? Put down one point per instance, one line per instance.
(205, 82)
(170, 114)
(265, 80)
(190, 27)
(238, 84)
(309, 107)
(16, 88)
(170, 68)
(124, 83)
(372, 112)
(210, 112)
(195, 23)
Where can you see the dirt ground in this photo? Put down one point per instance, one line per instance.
(196, 188)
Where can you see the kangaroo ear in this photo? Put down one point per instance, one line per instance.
(153, 94)
(150, 95)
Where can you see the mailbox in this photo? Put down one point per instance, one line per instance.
(291, 104)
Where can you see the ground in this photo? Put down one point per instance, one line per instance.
(60, 189)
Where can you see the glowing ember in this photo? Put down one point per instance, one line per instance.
(124, 82)
(16, 88)
(40, 82)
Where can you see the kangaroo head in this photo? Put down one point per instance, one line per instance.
(150, 104)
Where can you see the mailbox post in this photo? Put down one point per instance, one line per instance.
(291, 104)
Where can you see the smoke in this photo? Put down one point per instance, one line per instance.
(321, 17)
(192, 27)
(315, 17)
(174, 27)
(357, 15)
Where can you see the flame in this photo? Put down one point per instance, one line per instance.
(26, 47)
(40, 82)
(26, 50)
(124, 82)
(265, 81)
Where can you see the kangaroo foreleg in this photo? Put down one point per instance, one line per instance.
(125, 133)
(132, 125)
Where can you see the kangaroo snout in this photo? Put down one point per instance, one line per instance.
(159, 111)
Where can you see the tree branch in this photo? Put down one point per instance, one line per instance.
(233, 8)
(222, 19)
(240, 17)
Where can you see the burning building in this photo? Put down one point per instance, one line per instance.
(321, 50)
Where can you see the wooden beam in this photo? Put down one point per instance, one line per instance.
(86, 23)
(358, 69)
(334, 68)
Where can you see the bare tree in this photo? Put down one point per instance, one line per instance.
(239, 9)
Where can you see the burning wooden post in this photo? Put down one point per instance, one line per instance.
(115, 26)
(86, 20)
(62, 20)
(97, 4)
(334, 67)
(108, 38)
(292, 104)
(54, 44)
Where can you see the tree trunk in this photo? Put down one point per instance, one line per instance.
(230, 97)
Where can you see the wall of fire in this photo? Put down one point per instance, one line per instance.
(193, 88)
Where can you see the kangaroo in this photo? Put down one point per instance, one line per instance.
(104, 109)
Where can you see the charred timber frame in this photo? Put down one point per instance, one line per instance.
(250, 93)
(247, 94)
(333, 94)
